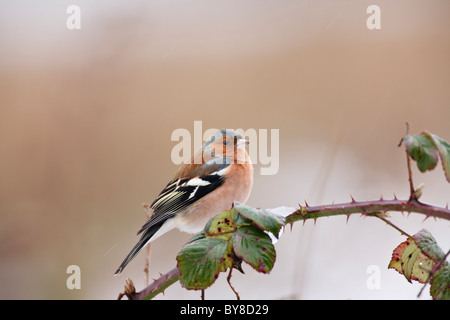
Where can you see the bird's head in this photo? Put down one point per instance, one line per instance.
(225, 143)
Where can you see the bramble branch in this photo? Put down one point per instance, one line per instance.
(367, 208)
(158, 286)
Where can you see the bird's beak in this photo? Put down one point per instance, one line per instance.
(241, 143)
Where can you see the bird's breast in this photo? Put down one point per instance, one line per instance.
(237, 187)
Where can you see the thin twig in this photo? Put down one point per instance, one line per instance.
(148, 214)
(393, 226)
(231, 286)
(412, 194)
(410, 179)
(147, 265)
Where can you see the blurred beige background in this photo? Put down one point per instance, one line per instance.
(86, 118)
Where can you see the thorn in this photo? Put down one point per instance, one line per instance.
(353, 200)
(426, 217)
(304, 222)
(395, 197)
(348, 217)
(292, 224)
(315, 220)
(306, 203)
(381, 197)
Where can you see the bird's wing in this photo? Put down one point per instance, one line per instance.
(176, 196)
(182, 192)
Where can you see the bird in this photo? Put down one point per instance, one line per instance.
(218, 174)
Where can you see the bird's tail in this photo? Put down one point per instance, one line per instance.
(145, 238)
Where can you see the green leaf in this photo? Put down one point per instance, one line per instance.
(419, 258)
(255, 247)
(227, 239)
(426, 149)
(427, 244)
(239, 219)
(221, 225)
(265, 220)
(444, 152)
(421, 149)
(408, 260)
(440, 286)
(201, 261)
(197, 236)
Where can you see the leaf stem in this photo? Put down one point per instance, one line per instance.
(231, 286)
(410, 179)
(394, 226)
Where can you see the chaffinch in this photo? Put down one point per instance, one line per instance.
(219, 174)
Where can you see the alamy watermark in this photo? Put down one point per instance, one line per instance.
(258, 147)
(373, 282)
(73, 21)
(74, 280)
(373, 22)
